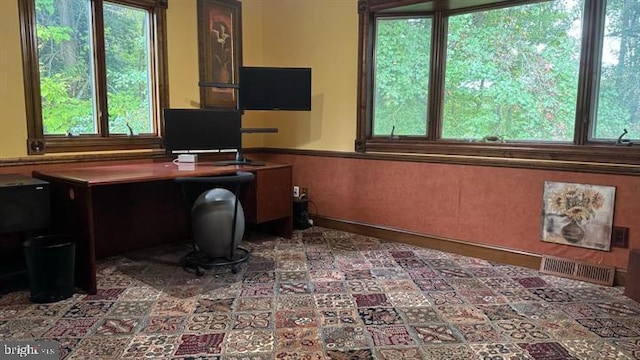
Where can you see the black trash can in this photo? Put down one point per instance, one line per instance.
(50, 264)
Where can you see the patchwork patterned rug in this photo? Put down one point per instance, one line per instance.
(327, 294)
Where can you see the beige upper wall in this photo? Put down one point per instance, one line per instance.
(252, 24)
(13, 127)
(182, 52)
(321, 34)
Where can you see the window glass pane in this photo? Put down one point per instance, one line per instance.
(128, 69)
(619, 93)
(66, 66)
(402, 55)
(513, 72)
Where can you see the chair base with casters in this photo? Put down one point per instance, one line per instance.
(198, 262)
(217, 222)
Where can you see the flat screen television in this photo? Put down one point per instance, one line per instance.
(201, 130)
(273, 88)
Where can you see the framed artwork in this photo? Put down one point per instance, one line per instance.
(219, 52)
(578, 214)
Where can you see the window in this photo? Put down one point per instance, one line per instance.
(93, 73)
(553, 79)
(513, 73)
(619, 90)
(402, 75)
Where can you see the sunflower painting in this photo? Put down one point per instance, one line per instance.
(578, 214)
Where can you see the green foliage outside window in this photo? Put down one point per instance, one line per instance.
(402, 76)
(513, 73)
(510, 72)
(128, 82)
(66, 53)
(619, 96)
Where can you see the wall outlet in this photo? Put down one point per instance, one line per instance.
(296, 191)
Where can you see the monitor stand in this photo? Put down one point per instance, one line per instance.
(239, 160)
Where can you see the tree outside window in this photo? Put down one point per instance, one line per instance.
(619, 90)
(98, 69)
(402, 76)
(536, 75)
(513, 73)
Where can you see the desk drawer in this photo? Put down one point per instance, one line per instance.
(269, 197)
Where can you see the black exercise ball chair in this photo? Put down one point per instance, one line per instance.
(217, 222)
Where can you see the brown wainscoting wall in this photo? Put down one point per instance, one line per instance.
(490, 205)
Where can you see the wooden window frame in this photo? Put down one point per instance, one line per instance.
(580, 151)
(38, 143)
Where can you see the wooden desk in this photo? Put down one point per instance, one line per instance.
(117, 208)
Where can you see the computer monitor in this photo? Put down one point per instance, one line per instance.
(274, 88)
(201, 130)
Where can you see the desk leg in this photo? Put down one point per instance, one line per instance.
(632, 283)
(73, 215)
(283, 227)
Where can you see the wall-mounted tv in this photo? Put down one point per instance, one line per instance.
(198, 130)
(274, 88)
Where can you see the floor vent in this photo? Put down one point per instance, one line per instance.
(578, 270)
